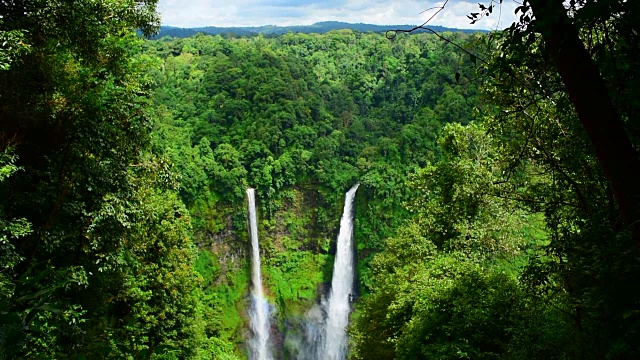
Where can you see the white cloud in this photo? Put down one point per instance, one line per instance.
(194, 13)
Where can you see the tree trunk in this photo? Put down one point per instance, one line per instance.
(594, 107)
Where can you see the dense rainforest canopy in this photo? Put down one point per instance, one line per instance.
(496, 217)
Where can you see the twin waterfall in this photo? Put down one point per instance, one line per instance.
(331, 341)
(259, 311)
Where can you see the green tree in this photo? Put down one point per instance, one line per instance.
(590, 93)
(98, 261)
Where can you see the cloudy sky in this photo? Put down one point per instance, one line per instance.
(194, 13)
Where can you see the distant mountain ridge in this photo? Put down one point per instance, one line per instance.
(319, 27)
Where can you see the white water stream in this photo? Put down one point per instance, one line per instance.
(338, 306)
(259, 311)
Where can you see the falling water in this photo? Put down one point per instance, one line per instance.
(338, 305)
(259, 311)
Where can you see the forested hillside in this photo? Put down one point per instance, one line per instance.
(301, 118)
(496, 217)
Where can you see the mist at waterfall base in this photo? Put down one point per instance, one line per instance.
(259, 311)
(324, 335)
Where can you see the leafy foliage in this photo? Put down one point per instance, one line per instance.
(482, 234)
(97, 257)
(530, 157)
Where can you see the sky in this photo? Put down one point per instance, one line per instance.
(227, 13)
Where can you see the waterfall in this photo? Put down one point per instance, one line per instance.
(259, 311)
(338, 304)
